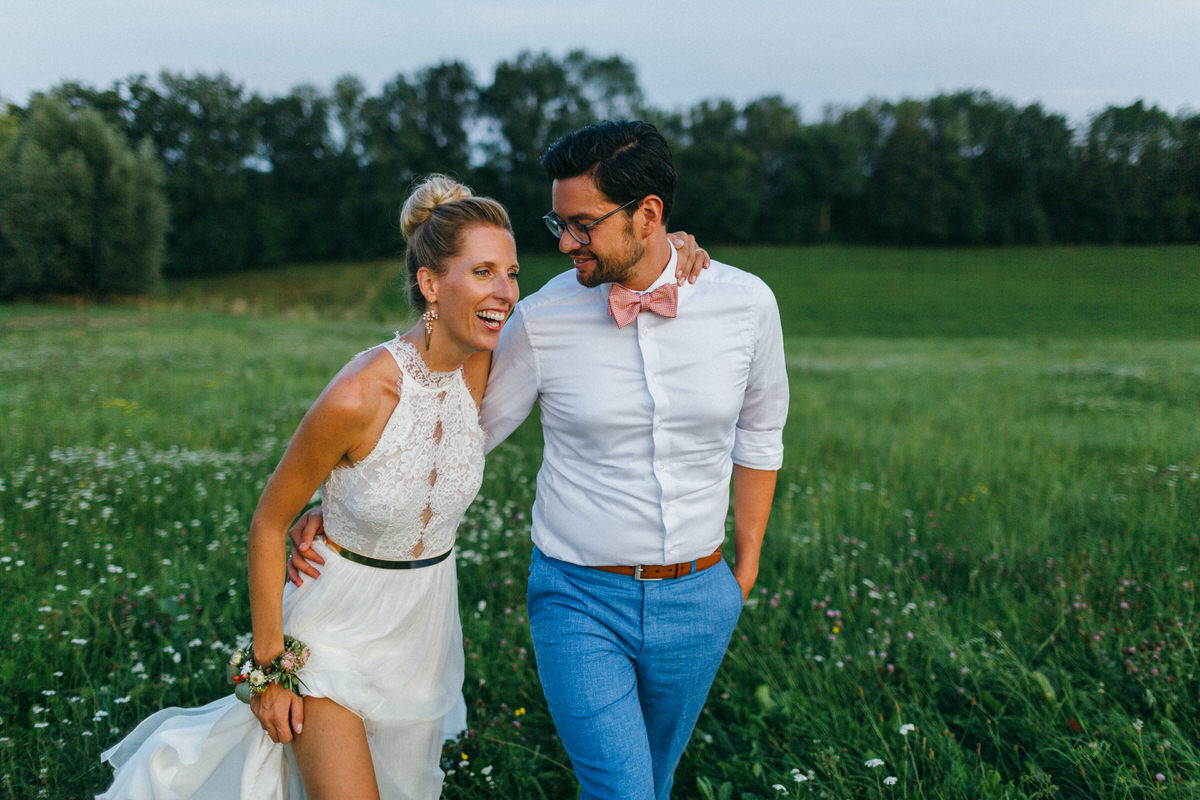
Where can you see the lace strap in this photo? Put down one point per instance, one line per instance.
(414, 368)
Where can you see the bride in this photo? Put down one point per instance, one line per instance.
(395, 441)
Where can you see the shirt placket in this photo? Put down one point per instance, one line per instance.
(649, 328)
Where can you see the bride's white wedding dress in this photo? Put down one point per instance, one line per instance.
(386, 643)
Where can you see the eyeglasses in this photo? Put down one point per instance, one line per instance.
(580, 232)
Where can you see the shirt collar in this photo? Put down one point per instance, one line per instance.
(667, 274)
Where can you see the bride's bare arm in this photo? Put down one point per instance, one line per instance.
(331, 429)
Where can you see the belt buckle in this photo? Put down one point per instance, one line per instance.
(637, 575)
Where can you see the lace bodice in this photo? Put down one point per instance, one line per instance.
(405, 499)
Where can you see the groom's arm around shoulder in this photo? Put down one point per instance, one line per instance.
(512, 385)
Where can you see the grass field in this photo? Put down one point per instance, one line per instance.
(979, 579)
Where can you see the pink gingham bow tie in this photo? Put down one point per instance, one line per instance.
(624, 305)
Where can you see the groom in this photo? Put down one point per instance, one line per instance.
(652, 396)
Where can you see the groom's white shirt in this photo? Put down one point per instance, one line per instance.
(643, 424)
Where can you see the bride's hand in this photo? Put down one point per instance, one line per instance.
(692, 257)
(280, 712)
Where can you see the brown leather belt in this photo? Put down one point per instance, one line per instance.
(657, 572)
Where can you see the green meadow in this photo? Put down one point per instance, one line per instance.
(979, 580)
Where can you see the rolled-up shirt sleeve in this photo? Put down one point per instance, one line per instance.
(758, 436)
(512, 386)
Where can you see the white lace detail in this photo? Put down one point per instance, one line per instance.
(404, 500)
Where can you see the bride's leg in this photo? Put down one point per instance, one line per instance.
(332, 753)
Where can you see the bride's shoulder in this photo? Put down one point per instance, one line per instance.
(368, 381)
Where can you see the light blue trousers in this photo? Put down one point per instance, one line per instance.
(626, 666)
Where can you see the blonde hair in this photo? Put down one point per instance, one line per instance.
(433, 220)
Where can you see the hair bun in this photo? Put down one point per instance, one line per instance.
(434, 191)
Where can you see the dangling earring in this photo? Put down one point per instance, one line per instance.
(429, 316)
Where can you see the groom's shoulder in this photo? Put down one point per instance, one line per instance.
(730, 280)
(562, 289)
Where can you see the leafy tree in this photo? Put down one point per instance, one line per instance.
(835, 167)
(1041, 152)
(1187, 182)
(788, 207)
(721, 180)
(315, 174)
(608, 86)
(414, 127)
(296, 179)
(1127, 153)
(807, 169)
(80, 210)
(921, 190)
(533, 100)
(364, 229)
(447, 97)
(203, 131)
(9, 122)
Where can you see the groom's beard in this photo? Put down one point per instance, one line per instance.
(616, 267)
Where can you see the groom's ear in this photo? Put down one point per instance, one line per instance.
(649, 215)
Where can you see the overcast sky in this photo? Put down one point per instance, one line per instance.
(1074, 56)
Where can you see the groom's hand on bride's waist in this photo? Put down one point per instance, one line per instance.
(307, 527)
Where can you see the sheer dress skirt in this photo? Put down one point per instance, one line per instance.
(386, 644)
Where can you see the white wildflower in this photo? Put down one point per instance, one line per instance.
(801, 777)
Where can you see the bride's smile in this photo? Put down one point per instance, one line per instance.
(473, 296)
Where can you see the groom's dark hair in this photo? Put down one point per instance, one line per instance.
(627, 159)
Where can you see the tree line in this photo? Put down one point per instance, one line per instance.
(254, 180)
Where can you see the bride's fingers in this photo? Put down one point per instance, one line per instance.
(280, 731)
(297, 714)
(692, 258)
(273, 712)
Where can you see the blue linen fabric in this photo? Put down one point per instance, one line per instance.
(626, 666)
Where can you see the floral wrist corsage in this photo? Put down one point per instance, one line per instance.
(250, 680)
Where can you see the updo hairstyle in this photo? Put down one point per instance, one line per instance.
(433, 220)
